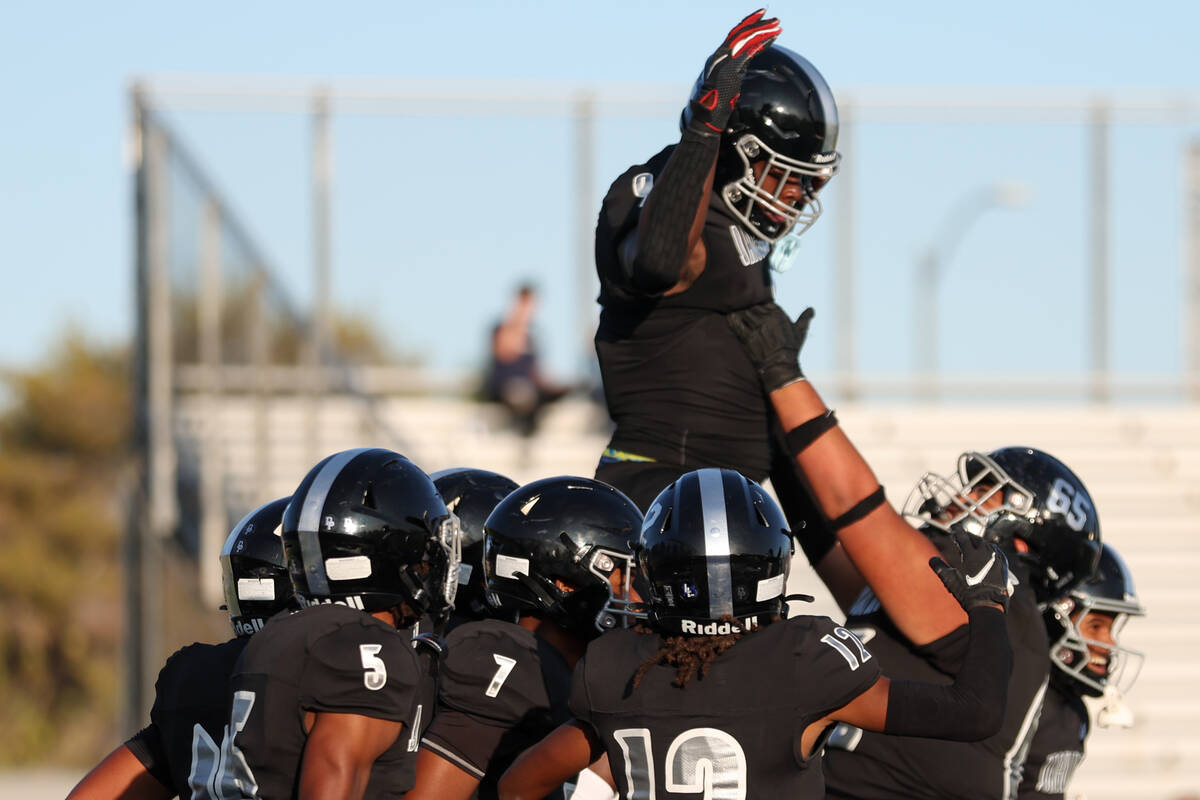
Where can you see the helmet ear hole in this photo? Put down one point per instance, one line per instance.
(368, 498)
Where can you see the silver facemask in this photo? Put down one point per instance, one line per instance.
(749, 202)
(967, 499)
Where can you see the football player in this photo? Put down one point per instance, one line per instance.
(1044, 521)
(331, 701)
(1087, 659)
(177, 754)
(557, 552)
(720, 696)
(684, 238)
(471, 494)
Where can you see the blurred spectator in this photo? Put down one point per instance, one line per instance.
(514, 378)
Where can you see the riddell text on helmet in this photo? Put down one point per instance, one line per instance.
(717, 628)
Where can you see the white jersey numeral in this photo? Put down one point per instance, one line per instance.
(375, 675)
(854, 660)
(504, 665)
(704, 761)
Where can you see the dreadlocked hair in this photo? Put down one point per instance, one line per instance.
(690, 655)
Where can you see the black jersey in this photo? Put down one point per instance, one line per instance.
(739, 728)
(326, 658)
(863, 764)
(656, 353)
(1057, 747)
(502, 690)
(181, 747)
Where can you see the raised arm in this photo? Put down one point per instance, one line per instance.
(665, 253)
(889, 554)
(971, 708)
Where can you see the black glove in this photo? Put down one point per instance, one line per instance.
(981, 575)
(772, 341)
(717, 90)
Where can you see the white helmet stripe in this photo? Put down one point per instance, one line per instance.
(310, 519)
(716, 542)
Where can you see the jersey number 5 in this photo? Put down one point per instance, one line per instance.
(704, 761)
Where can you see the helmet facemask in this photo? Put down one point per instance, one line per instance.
(592, 608)
(969, 499)
(1074, 652)
(764, 213)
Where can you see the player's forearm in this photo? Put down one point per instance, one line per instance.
(970, 709)
(839, 476)
(119, 775)
(885, 550)
(673, 218)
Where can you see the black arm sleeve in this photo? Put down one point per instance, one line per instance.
(970, 709)
(662, 232)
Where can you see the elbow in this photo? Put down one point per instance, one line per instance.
(650, 277)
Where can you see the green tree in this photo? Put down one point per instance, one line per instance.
(64, 469)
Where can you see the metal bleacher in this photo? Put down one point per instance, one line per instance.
(1141, 464)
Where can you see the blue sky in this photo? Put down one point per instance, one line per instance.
(65, 203)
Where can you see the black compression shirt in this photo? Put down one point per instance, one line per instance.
(866, 765)
(677, 383)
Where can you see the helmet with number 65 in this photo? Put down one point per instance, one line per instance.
(1027, 502)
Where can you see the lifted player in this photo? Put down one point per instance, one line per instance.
(557, 552)
(721, 696)
(330, 702)
(1046, 524)
(1087, 660)
(684, 238)
(176, 755)
(471, 494)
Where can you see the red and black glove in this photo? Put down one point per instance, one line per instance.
(716, 92)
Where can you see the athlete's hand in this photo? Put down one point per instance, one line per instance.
(716, 90)
(980, 578)
(772, 341)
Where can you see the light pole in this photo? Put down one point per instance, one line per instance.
(931, 266)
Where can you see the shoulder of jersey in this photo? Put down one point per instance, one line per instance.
(189, 656)
(492, 668)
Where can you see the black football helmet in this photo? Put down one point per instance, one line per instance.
(367, 528)
(253, 570)
(1027, 502)
(714, 545)
(787, 117)
(1085, 664)
(575, 530)
(471, 494)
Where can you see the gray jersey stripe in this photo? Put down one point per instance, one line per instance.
(310, 519)
(1014, 759)
(716, 542)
